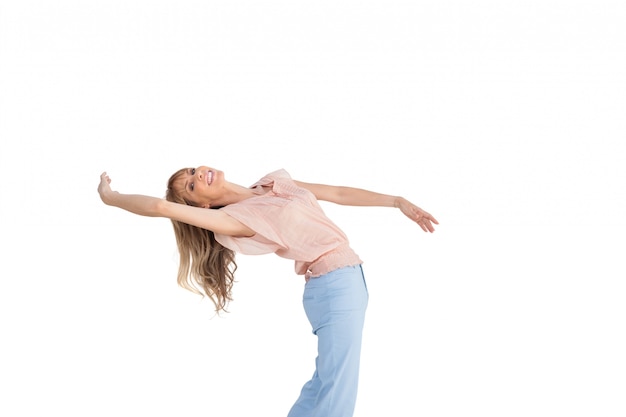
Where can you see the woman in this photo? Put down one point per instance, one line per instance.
(276, 215)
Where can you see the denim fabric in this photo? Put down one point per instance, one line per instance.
(335, 305)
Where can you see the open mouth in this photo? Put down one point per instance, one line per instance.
(209, 177)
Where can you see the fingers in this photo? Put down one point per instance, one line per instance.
(430, 219)
(105, 177)
(425, 224)
(424, 220)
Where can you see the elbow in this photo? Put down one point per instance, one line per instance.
(159, 208)
(342, 196)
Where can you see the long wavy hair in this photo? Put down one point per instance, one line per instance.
(206, 267)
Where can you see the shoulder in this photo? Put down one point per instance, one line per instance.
(278, 174)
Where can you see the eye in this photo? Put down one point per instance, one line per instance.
(192, 172)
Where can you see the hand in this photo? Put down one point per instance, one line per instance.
(104, 188)
(423, 219)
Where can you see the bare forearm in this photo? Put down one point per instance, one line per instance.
(135, 203)
(359, 197)
(351, 196)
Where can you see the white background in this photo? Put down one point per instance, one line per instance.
(504, 119)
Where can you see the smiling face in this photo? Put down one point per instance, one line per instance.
(198, 186)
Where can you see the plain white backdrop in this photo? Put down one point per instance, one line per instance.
(504, 119)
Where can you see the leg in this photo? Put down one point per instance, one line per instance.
(335, 305)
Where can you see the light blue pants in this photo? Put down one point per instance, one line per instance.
(335, 305)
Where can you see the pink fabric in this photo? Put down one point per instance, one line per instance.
(289, 221)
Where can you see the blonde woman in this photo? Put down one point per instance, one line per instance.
(213, 219)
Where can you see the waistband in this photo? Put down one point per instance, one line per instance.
(335, 259)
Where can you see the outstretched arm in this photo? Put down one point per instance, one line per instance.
(143, 205)
(359, 197)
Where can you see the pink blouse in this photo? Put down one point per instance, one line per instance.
(288, 220)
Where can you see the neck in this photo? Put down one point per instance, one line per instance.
(233, 193)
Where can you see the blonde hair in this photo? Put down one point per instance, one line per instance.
(206, 267)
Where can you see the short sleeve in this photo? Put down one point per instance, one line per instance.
(257, 214)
